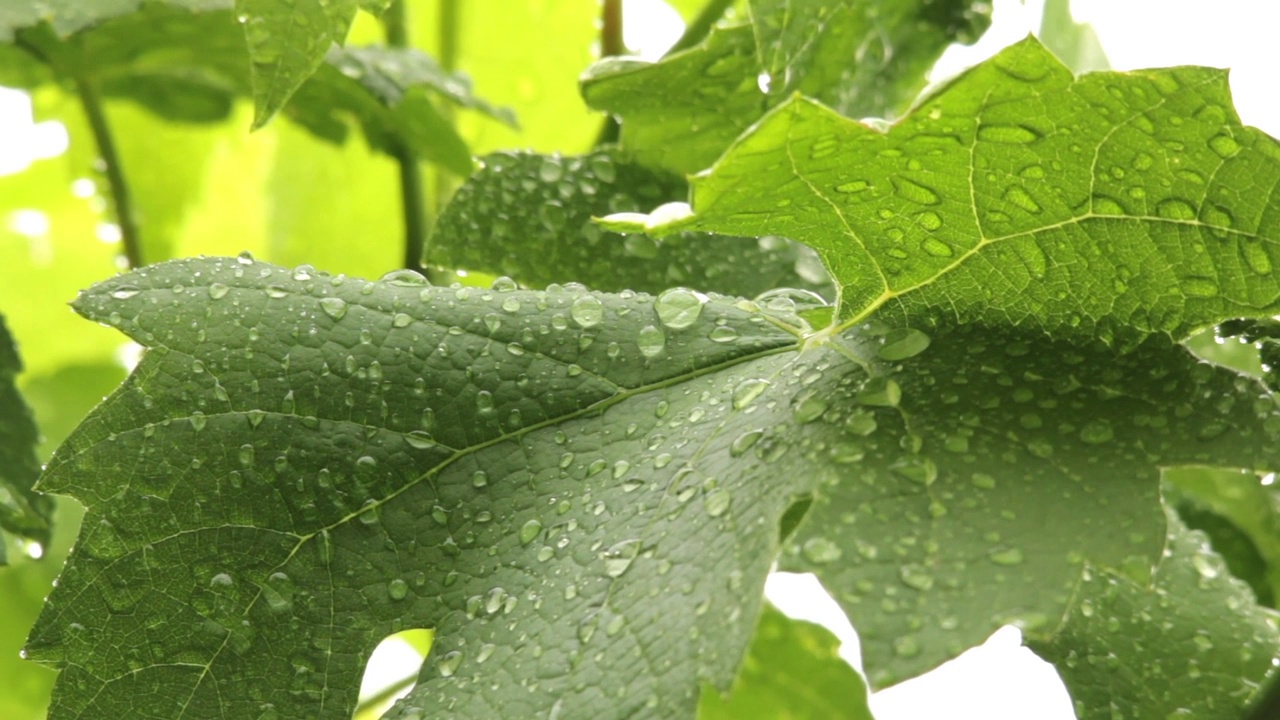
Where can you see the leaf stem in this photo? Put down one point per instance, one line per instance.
(447, 27)
(611, 44)
(412, 190)
(700, 26)
(121, 199)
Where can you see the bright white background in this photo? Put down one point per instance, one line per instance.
(999, 680)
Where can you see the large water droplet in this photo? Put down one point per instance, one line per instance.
(915, 192)
(217, 291)
(821, 551)
(619, 557)
(448, 663)
(650, 340)
(587, 311)
(678, 307)
(397, 589)
(717, 502)
(747, 391)
(529, 531)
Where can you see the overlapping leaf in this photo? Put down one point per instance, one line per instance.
(531, 217)
(1193, 645)
(1033, 457)
(23, 513)
(866, 57)
(1115, 205)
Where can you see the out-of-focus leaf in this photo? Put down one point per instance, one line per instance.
(24, 514)
(1251, 508)
(530, 217)
(70, 16)
(861, 56)
(1075, 44)
(793, 671)
(1193, 645)
(526, 56)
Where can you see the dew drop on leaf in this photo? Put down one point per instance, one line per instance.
(587, 311)
(747, 391)
(334, 307)
(678, 308)
(650, 340)
(529, 531)
(902, 343)
(397, 589)
(217, 291)
(821, 551)
(717, 502)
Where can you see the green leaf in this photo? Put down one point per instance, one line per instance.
(1192, 645)
(307, 463)
(793, 670)
(663, 124)
(23, 513)
(70, 16)
(805, 44)
(1032, 457)
(530, 217)
(298, 465)
(288, 42)
(1115, 205)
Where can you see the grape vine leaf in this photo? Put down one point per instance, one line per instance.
(1035, 455)
(67, 17)
(530, 217)
(1006, 193)
(866, 57)
(793, 670)
(580, 493)
(23, 513)
(1194, 644)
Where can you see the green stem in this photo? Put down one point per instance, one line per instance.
(447, 56)
(700, 26)
(121, 200)
(610, 44)
(412, 190)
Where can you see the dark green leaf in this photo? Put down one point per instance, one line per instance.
(307, 463)
(1115, 205)
(530, 217)
(1033, 456)
(71, 16)
(23, 513)
(1193, 645)
(793, 670)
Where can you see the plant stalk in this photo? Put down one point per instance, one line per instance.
(611, 44)
(121, 199)
(412, 189)
(447, 28)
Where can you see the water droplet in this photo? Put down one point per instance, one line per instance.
(404, 278)
(1175, 209)
(853, 186)
(650, 340)
(678, 307)
(808, 407)
(397, 589)
(903, 343)
(401, 320)
(1005, 556)
(124, 292)
(1007, 134)
(603, 168)
(448, 663)
(1200, 287)
(915, 577)
(743, 442)
(723, 334)
(551, 169)
(747, 391)
(334, 307)
(484, 402)
(198, 420)
(1256, 257)
(821, 551)
(1020, 198)
(930, 220)
(529, 531)
(983, 481)
(1103, 205)
(217, 291)
(906, 646)
(246, 455)
(419, 439)
(717, 502)
(1224, 145)
(587, 311)
(619, 557)
(1096, 432)
(915, 192)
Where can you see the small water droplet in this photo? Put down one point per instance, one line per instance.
(397, 589)
(821, 551)
(448, 663)
(1007, 134)
(1224, 145)
(717, 502)
(217, 291)
(124, 292)
(530, 531)
(679, 308)
(915, 192)
(334, 307)
(484, 402)
(747, 391)
(1005, 556)
(619, 557)
(650, 340)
